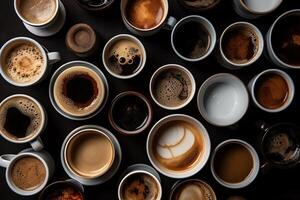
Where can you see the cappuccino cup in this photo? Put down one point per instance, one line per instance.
(25, 62)
(178, 146)
(41, 17)
(22, 120)
(28, 172)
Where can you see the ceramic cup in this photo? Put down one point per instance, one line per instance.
(95, 6)
(199, 6)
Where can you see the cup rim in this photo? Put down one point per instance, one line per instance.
(33, 24)
(289, 82)
(191, 8)
(269, 39)
(43, 117)
(200, 163)
(116, 126)
(252, 174)
(20, 191)
(180, 68)
(212, 34)
(199, 96)
(260, 44)
(35, 43)
(260, 12)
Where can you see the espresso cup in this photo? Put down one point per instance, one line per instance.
(172, 87)
(178, 146)
(28, 172)
(255, 8)
(272, 90)
(41, 17)
(234, 164)
(198, 6)
(241, 44)
(281, 40)
(138, 180)
(22, 120)
(223, 99)
(25, 62)
(146, 18)
(96, 6)
(91, 155)
(124, 56)
(193, 38)
(78, 90)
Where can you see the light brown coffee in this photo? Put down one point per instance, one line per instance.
(90, 154)
(37, 11)
(177, 145)
(28, 173)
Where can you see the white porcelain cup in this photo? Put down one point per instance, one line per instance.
(226, 62)
(287, 78)
(48, 57)
(255, 8)
(252, 175)
(8, 160)
(223, 99)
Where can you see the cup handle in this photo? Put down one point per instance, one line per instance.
(171, 22)
(37, 144)
(5, 159)
(53, 57)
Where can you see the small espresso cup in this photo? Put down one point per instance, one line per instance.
(28, 172)
(143, 180)
(146, 18)
(178, 146)
(234, 164)
(22, 53)
(172, 87)
(255, 8)
(124, 56)
(193, 38)
(281, 40)
(272, 90)
(241, 44)
(22, 120)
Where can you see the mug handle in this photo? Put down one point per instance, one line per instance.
(171, 22)
(53, 57)
(37, 144)
(5, 159)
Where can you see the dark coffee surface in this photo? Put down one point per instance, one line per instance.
(276, 184)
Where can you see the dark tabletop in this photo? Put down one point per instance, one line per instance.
(272, 184)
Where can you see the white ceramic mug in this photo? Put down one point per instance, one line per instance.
(8, 160)
(287, 78)
(48, 57)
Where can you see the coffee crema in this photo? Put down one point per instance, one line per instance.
(20, 118)
(177, 145)
(145, 14)
(37, 11)
(28, 173)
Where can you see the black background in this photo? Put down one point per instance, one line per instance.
(271, 184)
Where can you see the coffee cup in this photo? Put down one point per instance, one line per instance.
(124, 56)
(96, 6)
(172, 87)
(178, 146)
(241, 44)
(28, 172)
(22, 120)
(192, 189)
(41, 17)
(140, 180)
(255, 8)
(146, 17)
(223, 99)
(25, 62)
(81, 159)
(78, 90)
(198, 5)
(130, 113)
(234, 164)
(282, 40)
(193, 38)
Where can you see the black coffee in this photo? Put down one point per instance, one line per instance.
(192, 40)
(130, 112)
(286, 39)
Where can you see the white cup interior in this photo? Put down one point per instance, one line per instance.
(259, 6)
